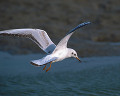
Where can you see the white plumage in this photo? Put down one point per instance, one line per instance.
(41, 38)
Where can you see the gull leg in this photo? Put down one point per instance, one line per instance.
(45, 67)
(49, 67)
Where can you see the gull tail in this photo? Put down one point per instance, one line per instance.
(43, 61)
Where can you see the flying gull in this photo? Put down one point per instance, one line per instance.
(40, 37)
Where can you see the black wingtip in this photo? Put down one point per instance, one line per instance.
(79, 26)
(84, 23)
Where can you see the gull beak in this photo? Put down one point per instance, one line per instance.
(78, 59)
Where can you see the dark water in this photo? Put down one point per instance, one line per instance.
(95, 76)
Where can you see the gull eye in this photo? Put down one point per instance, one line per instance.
(74, 54)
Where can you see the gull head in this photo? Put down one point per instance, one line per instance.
(73, 53)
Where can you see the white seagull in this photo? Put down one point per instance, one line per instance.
(40, 37)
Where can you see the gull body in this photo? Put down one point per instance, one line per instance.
(41, 38)
(64, 53)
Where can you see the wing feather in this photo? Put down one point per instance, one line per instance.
(63, 42)
(40, 37)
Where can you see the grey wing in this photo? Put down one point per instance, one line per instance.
(40, 37)
(63, 42)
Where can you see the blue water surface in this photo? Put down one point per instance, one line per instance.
(95, 76)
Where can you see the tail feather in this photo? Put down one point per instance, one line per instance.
(43, 61)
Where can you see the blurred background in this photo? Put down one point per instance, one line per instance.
(57, 17)
(97, 45)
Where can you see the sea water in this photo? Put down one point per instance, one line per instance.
(95, 76)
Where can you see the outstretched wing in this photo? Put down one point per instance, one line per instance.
(40, 37)
(63, 42)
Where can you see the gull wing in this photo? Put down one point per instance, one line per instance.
(63, 42)
(40, 37)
